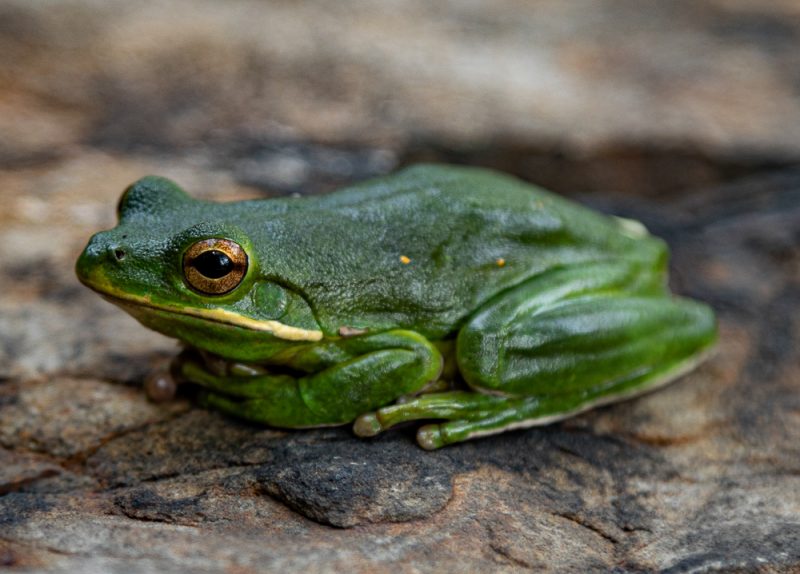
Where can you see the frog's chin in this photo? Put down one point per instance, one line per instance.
(141, 306)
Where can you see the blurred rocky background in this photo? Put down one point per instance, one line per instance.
(684, 114)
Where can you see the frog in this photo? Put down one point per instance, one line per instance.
(459, 299)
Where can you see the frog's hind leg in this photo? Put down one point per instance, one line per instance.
(473, 414)
(555, 346)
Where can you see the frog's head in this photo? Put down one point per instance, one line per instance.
(181, 267)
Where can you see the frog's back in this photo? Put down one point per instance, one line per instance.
(425, 247)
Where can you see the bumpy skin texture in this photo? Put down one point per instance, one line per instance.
(543, 307)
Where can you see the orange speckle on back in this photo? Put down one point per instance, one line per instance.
(500, 262)
(405, 260)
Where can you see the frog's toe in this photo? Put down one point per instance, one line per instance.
(367, 425)
(160, 387)
(429, 437)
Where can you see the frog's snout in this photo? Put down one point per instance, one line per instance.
(104, 248)
(100, 253)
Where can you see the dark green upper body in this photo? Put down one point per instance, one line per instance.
(469, 234)
(420, 250)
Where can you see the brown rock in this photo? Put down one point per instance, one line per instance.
(19, 469)
(73, 417)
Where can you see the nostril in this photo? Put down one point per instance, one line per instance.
(119, 254)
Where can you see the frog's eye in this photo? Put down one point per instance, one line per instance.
(214, 266)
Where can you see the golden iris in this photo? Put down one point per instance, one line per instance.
(214, 266)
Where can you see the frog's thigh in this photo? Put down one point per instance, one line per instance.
(597, 344)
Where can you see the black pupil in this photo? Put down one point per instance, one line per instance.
(213, 264)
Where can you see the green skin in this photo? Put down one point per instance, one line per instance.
(454, 294)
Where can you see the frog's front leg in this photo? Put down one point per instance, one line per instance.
(556, 345)
(338, 380)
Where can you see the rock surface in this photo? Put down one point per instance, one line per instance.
(585, 97)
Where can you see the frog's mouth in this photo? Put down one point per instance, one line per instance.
(136, 304)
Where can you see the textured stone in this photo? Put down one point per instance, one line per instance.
(192, 443)
(344, 484)
(325, 476)
(72, 417)
(19, 469)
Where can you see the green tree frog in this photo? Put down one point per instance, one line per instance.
(457, 296)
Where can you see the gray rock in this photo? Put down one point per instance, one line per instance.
(344, 483)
